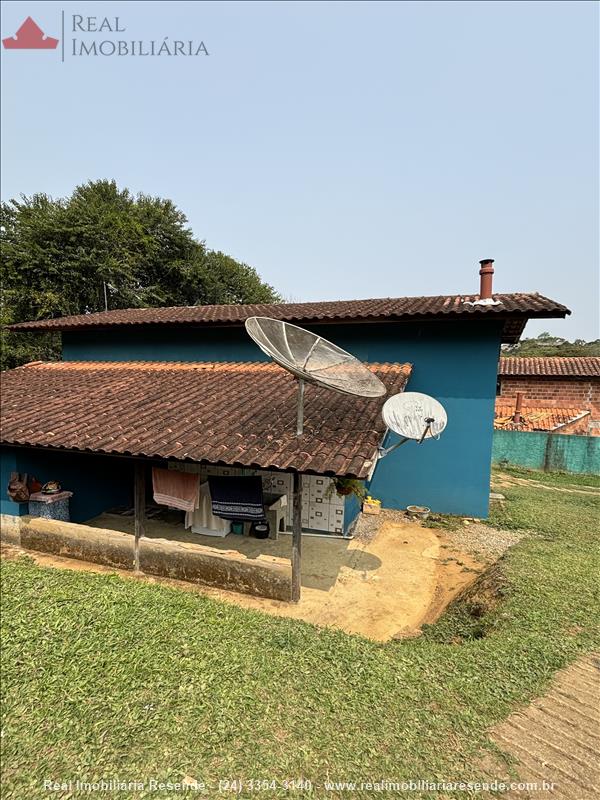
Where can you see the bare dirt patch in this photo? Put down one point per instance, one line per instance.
(458, 570)
(9, 551)
(503, 479)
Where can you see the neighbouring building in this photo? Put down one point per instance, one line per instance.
(558, 394)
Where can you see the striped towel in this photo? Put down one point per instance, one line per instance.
(175, 489)
(238, 498)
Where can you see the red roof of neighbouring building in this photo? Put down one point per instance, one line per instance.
(535, 418)
(550, 366)
(512, 309)
(231, 413)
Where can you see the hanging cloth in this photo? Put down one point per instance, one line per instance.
(175, 489)
(202, 520)
(238, 498)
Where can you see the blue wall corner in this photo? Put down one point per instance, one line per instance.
(97, 481)
(351, 510)
(8, 465)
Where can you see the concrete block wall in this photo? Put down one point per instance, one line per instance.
(551, 452)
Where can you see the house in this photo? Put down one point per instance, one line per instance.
(559, 394)
(186, 387)
(452, 342)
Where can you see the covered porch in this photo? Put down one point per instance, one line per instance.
(123, 418)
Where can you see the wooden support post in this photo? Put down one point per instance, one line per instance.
(297, 538)
(139, 503)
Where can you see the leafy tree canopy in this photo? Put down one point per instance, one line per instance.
(547, 345)
(67, 255)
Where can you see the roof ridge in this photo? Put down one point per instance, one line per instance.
(513, 309)
(380, 298)
(174, 365)
(550, 366)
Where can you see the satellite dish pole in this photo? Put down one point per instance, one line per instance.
(311, 359)
(300, 410)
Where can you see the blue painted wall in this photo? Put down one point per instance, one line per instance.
(161, 344)
(8, 465)
(456, 362)
(98, 482)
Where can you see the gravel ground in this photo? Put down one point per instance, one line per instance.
(483, 540)
(474, 538)
(367, 525)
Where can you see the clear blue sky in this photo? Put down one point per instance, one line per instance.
(343, 149)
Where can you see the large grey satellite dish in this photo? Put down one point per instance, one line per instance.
(313, 359)
(413, 415)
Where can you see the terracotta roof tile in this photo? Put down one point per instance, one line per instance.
(233, 413)
(535, 418)
(514, 308)
(568, 367)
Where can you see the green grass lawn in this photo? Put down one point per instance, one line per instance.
(111, 678)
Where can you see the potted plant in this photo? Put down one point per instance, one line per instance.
(371, 505)
(348, 486)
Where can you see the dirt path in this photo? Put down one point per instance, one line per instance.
(557, 738)
(511, 480)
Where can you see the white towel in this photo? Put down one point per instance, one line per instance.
(202, 520)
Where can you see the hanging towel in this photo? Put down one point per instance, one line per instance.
(237, 498)
(175, 489)
(202, 520)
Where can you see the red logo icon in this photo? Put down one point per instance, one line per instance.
(30, 37)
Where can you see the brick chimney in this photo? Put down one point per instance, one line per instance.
(486, 271)
(518, 408)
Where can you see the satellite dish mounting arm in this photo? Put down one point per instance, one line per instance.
(429, 421)
(384, 451)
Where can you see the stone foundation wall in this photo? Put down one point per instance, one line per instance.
(183, 561)
(199, 564)
(10, 529)
(72, 540)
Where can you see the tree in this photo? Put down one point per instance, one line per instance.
(65, 256)
(546, 345)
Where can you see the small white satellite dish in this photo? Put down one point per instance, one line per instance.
(413, 415)
(313, 359)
